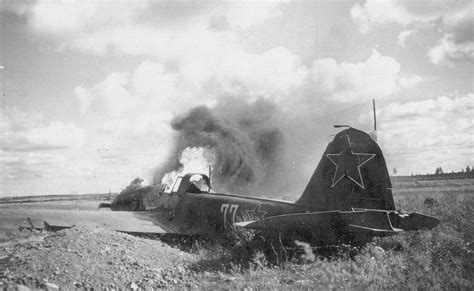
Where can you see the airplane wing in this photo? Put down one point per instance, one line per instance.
(131, 222)
(373, 221)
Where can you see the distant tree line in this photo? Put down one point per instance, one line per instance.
(465, 173)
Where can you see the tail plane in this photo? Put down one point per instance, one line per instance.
(351, 174)
(350, 195)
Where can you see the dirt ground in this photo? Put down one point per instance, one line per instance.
(90, 257)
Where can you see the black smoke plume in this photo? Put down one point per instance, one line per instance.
(245, 138)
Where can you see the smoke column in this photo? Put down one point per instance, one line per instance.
(244, 138)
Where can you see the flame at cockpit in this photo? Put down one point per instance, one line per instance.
(191, 160)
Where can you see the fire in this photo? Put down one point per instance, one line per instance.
(191, 160)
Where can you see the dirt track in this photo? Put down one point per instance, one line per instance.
(87, 257)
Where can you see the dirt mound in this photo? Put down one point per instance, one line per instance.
(89, 256)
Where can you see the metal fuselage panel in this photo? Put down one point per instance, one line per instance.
(211, 213)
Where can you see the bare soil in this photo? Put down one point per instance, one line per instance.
(90, 257)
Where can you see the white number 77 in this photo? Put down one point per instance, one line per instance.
(232, 211)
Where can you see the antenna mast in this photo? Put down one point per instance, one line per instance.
(375, 116)
(210, 169)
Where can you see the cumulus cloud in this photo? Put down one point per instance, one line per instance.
(33, 148)
(272, 74)
(449, 52)
(117, 150)
(379, 76)
(457, 43)
(70, 18)
(455, 18)
(144, 27)
(276, 74)
(207, 58)
(376, 12)
(30, 165)
(115, 95)
(112, 92)
(66, 19)
(428, 131)
(85, 98)
(379, 12)
(188, 61)
(22, 132)
(244, 14)
(403, 36)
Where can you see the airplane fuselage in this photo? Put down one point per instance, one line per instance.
(214, 214)
(347, 200)
(223, 210)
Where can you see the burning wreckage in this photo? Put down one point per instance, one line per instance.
(347, 200)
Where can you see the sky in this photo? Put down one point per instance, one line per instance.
(90, 88)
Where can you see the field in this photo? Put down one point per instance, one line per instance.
(442, 258)
(439, 259)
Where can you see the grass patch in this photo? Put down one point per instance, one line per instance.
(442, 258)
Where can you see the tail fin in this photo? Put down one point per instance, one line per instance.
(351, 174)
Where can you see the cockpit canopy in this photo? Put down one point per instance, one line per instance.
(192, 183)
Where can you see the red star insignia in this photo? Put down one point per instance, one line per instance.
(348, 165)
(256, 212)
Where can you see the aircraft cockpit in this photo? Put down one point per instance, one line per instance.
(192, 183)
(197, 184)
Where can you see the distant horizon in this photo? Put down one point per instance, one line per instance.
(117, 192)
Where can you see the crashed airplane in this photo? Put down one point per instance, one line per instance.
(347, 200)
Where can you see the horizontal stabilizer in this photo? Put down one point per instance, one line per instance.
(358, 228)
(417, 221)
(379, 222)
